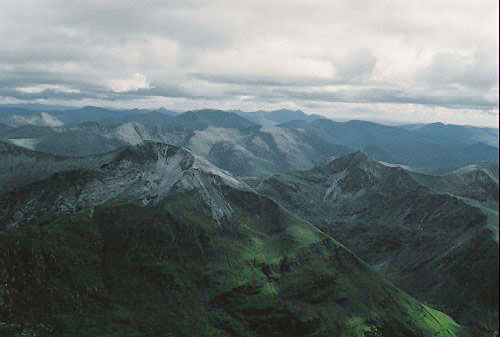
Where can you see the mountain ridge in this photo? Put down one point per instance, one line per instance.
(421, 231)
(110, 250)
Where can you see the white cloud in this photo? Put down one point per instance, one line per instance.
(37, 89)
(133, 83)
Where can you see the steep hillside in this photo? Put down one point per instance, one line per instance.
(478, 182)
(20, 166)
(158, 241)
(436, 237)
(245, 151)
(262, 151)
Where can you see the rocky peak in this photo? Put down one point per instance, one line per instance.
(346, 162)
(145, 173)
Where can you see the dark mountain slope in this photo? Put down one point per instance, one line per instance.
(27, 131)
(20, 166)
(476, 182)
(441, 247)
(77, 144)
(267, 150)
(4, 128)
(162, 243)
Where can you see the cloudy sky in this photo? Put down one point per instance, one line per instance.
(387, 60)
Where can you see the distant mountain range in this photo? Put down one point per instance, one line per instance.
(458, 133)
(249, 143)
(275, 117)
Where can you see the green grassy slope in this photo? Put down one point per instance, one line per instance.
(169, 270)
(441, 248)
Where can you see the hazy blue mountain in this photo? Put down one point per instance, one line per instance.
(114, 249)
(153, 118)
(166, 112)
(399, 145)
(43, 115)
(189, 120)
(12, 109)
(276, 117)
(34, 107)
(434, 236)
(228, 140)
(430, 157)
(93, 113)
(460, 133)
(253, 150)
(411, 127)
(201, 119)
(26, 131)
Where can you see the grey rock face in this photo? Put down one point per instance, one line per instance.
(144, 174)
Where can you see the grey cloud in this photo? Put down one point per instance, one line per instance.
(44, 94)
(269, 81)
(393, 96)
(357, 66)
(480, 71)
(267, 52)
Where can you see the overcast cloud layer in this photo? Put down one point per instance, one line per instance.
(383, 60)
